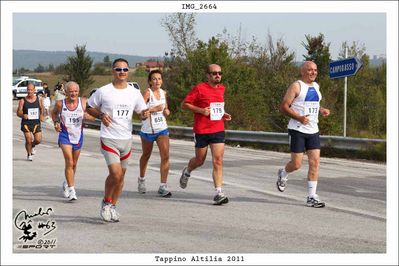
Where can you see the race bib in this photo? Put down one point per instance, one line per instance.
(312, 109)
(158, 120)
(122, 111)
(217, 111)
(33, 113)
(74, 121)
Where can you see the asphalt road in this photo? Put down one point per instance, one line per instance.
(258, 218)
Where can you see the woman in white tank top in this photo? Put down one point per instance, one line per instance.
(155, 128)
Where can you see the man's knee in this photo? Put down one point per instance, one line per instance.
(314, 163)
(217, 160)
(199, 161)
(296, 165)
(116, 175)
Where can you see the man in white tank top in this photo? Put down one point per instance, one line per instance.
(68, 115)
(302, 104)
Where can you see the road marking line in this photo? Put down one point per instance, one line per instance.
(278, 194)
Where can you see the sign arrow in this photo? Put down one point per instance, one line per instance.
(345, 68)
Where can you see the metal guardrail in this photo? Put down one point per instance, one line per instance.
(337, 142)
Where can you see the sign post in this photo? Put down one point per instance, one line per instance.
(344, 68)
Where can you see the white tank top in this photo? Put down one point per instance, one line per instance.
(306, 103)
(72, 121)
(156, 122)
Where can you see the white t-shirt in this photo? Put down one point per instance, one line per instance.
(46, 102)
(307, 103)
(119, 104)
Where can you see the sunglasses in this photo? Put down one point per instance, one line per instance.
(215, 73)
(120, 69)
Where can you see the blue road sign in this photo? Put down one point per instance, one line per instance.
(345, 67)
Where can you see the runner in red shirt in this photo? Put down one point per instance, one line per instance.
(206, 101)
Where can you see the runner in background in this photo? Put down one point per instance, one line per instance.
(155, 128)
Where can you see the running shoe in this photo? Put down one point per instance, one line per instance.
(65, 189)
(314, 202)
(281, 181)
(33, 152)
(72, 194)
(29, 158)
(114, 214)
(220, 199)
(105, 212)
(141, 186)
(184, 178)
(164, 192)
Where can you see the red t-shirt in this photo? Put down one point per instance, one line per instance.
(202, 96)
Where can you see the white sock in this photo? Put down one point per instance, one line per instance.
(163, 184)
(284, 174)
(71, 188)
(218, 190)
(312, 185)
(142, 178)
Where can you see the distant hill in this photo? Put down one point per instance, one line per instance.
(30, 59)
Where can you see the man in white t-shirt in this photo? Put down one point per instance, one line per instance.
(114, 104)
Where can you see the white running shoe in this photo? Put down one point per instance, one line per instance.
(33, 152)
(220, 199)
(114, 214)
(105, 211)
(315, 202)
(164, 192)
(281, 181)
(141, 186)
(72, 194)
(65, 189)
(184, 178)
(29, 158)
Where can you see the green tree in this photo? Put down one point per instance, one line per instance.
(60, 69)
(180, 27)
(140, 72)
(50, 68)
(276, 70)
(39, 69)
(355, 50)
(99, 69)
(21, 71)
(78, 68)
(318, 52)
(107, 62)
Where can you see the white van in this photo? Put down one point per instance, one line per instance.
(20, 84)
(134, 84)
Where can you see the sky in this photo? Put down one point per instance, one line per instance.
(142, 33)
